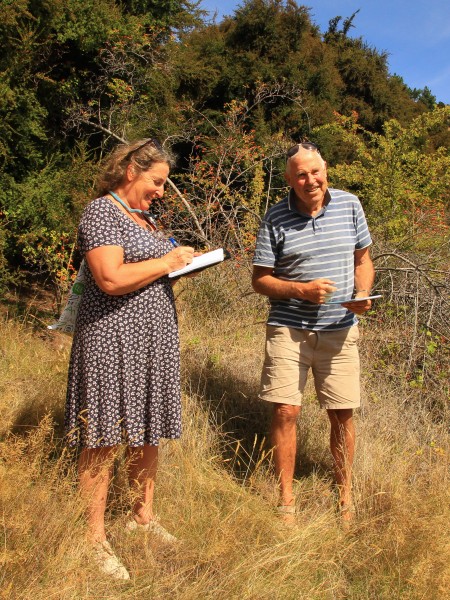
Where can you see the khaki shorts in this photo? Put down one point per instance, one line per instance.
(332, 356)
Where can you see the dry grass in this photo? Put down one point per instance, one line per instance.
(216, 489)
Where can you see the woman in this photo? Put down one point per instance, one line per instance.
(123, 381)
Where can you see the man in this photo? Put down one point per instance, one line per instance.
(313, 246)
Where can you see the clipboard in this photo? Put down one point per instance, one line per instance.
(204, 261)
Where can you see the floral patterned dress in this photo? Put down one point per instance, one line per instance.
(124, 376)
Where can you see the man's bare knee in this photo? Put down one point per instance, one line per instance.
(340, 417)
(285, 414)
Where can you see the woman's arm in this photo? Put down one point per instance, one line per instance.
(115, 277)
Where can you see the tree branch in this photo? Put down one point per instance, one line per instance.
(185, 202)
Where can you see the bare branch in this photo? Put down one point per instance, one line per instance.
(190, 210)
(169, 181)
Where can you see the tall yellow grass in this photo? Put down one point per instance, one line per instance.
(216, 489)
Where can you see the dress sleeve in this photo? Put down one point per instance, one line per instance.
(99, 226)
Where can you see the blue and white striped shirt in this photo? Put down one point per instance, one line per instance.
(300, 247)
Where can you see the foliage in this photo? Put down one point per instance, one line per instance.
(230, 96)
(227, 184)
(64, 56)
(52, 252)
(63, 62)
(170, 15)
(39, 211)
(425, 96)
(400, 177)
(274, 41)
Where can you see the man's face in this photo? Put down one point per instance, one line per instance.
(306, 173)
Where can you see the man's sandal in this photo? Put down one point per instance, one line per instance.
(347, 513)
(346, 508)
(287, 513)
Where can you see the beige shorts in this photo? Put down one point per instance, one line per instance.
(332, 356)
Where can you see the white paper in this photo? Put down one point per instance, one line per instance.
(208, 259)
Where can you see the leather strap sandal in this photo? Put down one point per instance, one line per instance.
(347, 514)
(284, 509)
(286, 512)
(347, 508)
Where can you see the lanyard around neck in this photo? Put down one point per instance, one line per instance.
(150, 219)
(148, 216)
(120, 201)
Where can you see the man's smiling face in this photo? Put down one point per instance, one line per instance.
(306, 173)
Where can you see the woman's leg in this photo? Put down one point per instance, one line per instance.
(142, 467)
(94, 472)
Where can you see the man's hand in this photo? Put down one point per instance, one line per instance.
(359, 308)
(317, 290)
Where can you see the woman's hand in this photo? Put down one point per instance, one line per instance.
(194, 273)
(179, 257)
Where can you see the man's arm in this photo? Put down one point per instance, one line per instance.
(265, 283)
(364, 272)
(364, 278)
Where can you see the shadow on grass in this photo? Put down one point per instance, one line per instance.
(233, 407)
(29, 418)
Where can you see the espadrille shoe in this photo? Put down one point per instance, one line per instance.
(108, 562)
(153, 528)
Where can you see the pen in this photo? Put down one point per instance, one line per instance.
(173, 241)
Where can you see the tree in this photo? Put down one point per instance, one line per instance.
(274, 41)
(332, 34)
(67, 65)
(425, 96)
(401, 178)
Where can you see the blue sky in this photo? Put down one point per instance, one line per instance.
(414, 33)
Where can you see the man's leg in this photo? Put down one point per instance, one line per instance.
(284, 441)
(342, 444)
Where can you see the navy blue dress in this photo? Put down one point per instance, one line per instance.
(124, 374)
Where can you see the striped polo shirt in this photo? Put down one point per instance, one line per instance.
(300, 247)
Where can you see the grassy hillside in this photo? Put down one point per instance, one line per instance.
(216, 490)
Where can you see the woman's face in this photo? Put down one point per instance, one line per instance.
(147, 185)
